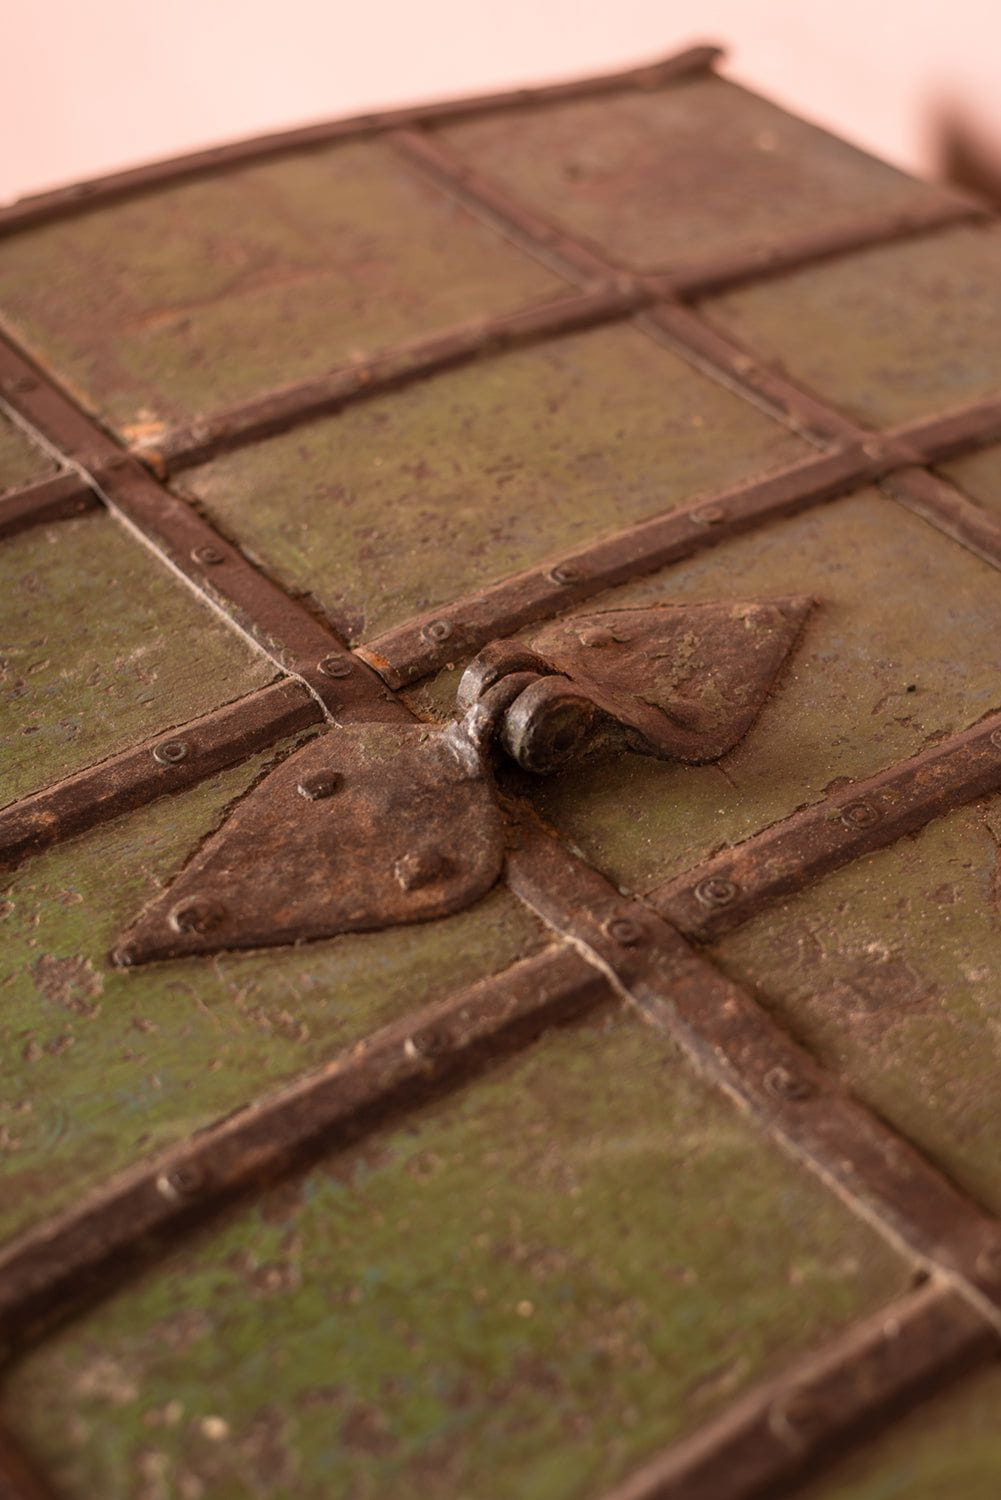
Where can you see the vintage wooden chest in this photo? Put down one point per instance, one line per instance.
(501, 932)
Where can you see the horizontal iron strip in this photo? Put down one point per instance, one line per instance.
(945, 507)
(781, 1434)
(738, 1045)
(444, 635)
(52, 499)
(726, 891)
(53, 1269)
(384, 370)
(175, 760)
(99, 191)
(295, 639)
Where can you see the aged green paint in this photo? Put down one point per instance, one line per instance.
(889, 334)
(522, 1291)
(102, 647)
(978, 475)
(100, 1066)
(410, 499)
(898, 608)
(20, 461)
(948, 1449)
(207, 293)
(697, 170)
(888, 969)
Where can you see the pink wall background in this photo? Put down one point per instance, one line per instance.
(90, 85)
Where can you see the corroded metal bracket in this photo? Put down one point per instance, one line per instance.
(378, 824)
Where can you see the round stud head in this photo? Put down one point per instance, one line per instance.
(170, 753)
(197, 914)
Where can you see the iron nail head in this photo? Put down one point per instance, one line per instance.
(436, 630)
(207, 555)
(716, 891)
(414, 870)
(860, 815)
(624, 931)
(784, 1083)
(565, 573)
(170, 752)
(708, 515)
(181, 1182)
(319, 785)
(196, 914)
(996, 738)
(336, 666)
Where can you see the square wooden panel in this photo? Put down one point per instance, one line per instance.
(666, 178)
(178, 302)
(523, 1289)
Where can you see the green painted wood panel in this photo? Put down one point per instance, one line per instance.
(100, 1066)
(204, 294)
(888, 970)
(947, 1449)
(978, 475)
(890, 334)
(415, 497)
(21, 462)
(693, 171)
(523, 1290)
(102, 647)
(904, 644)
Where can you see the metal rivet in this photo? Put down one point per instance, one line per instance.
(565, 573)
(208, 555)
(708, 515)
(185, 1181)
(437, 630)
(790, 1415)
(785, 1084)
(414, 870)
(989, 1262)
(596, 635)
(717, 890)
(624, 930)
(320, 784)
(336, 666)
(860, 815)
(197, 914)
(18, 384)
(170, 752)
(996, 739)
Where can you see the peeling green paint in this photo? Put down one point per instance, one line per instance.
(889, 334)
(207, 293)
(424, 494)
(524, 1290)
(20, 461)
(100, 1066)
(101, 648)
(903, 644)
(888, 971)
(948, 1449)
(685, 173)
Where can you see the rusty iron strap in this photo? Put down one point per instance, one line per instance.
(52, 499)
(171, 762)
(722, 893)
(97, 192)
(294, 638)
(386, 370)
(736, 1043)
(61, 1265)
(782, 1433)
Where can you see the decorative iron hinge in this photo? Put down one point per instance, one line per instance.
(372, 825)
